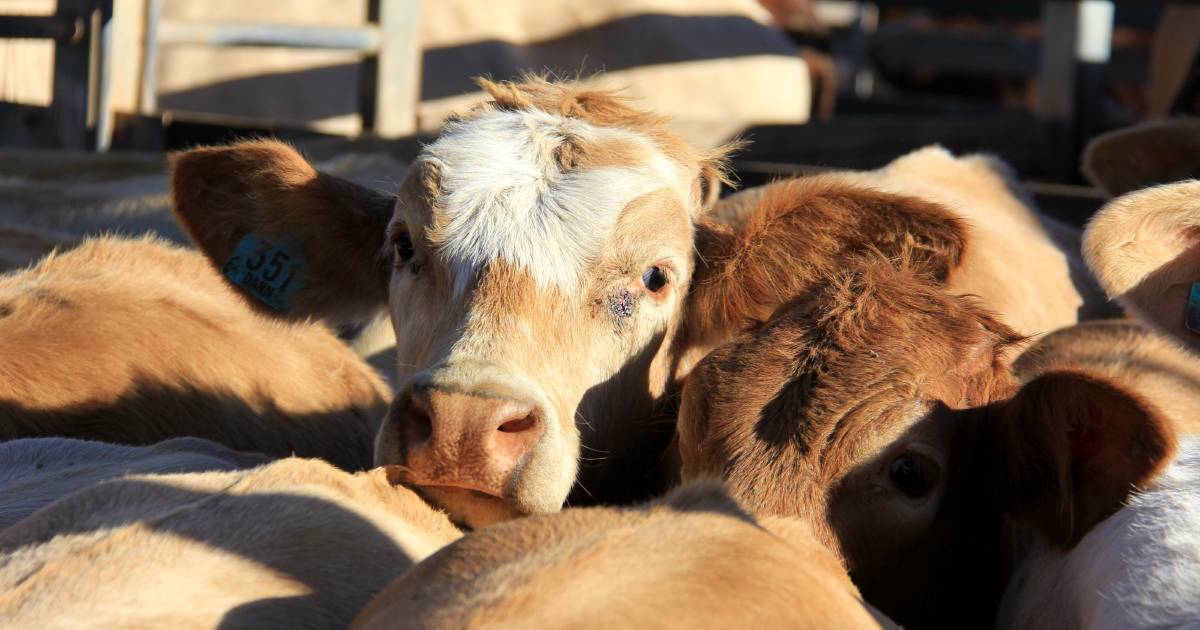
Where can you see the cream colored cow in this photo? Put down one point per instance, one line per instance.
(693, 559)
(293, 543)
(137, 341)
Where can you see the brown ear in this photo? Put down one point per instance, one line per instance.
(260, 212)
(800, 231)
(1075, 446)
(1144, 249)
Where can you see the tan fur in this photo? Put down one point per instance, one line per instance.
(136, 341)
(879, 406)
(296, 542)
(691, 560)
(1143, 249)
(1013, 262)
(1154, 366)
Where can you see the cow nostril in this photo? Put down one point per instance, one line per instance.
(418, 427)
(518, 425)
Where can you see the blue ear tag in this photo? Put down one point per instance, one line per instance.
(271, 272)
(1193, 309)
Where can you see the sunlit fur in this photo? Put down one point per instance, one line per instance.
(507, 195)
(692, 559)
(292, 542)
(1142, 249)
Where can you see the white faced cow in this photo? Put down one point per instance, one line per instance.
(535, 263)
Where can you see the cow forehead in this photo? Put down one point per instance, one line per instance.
(505, 194)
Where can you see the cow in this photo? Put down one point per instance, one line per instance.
(1153, 365)
(38, 471)
(537, 264)
(133, 341)
(1141, 247)
(693, 559)
(293, 542)
(880, 406)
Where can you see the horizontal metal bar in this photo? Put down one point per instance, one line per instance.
(58, 28)
(361, 39)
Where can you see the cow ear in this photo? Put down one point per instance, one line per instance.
(1075, 447)
(798, 232)
(299, 243)
(1144, 249)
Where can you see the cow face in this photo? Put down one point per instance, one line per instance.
(535, 264)
(539, 268)
(880, 407)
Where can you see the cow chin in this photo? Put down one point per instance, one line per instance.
(471, 508)
(539, 486)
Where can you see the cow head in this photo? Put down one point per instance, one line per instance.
(880, 407)
(535, 263)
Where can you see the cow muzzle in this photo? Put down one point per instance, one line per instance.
(463, 448)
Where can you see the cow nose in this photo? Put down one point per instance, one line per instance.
(471, 440)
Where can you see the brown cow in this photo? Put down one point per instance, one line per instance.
(880, 407)
(293, 543)
(1142, 248)
(536, 264)
(137, 341)
(691, 560)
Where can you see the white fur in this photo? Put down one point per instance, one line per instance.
(1140, 568)
(506, 198)
(38, 471)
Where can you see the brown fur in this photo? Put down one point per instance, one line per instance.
(293, 542)
(880, 408)
(1150, 364)
(691, 560)
(136, 341)
(800, 231)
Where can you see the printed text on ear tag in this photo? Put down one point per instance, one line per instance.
(271, 272)
(1193, 309)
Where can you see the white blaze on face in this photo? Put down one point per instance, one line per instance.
(505, 196)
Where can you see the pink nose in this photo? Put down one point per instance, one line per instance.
(466, 440)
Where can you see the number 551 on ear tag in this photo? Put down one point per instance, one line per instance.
(271, 272)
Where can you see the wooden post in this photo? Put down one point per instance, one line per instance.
(398, 69)
(69, 100)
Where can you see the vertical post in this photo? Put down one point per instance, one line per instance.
(1076, 45)
(69, 99)
(148, 98)
(100, 114)
(398, 68)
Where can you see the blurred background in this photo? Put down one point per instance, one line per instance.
(812, 83)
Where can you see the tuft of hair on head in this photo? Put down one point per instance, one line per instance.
(607, 108)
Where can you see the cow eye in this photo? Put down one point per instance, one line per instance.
(654, 279)
(913, 475)
(403, 247)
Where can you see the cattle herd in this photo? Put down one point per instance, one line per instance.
(899, 397)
